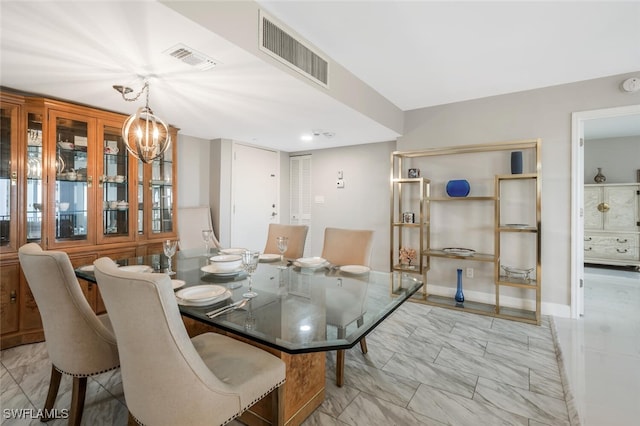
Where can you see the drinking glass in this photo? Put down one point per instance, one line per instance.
(207, 234)
(169, 248)
(250, 260)
(283, 243)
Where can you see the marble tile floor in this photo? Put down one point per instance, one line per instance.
(455, 369)
(601, 351)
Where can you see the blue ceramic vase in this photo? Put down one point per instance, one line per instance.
(458, 188)
(459, 294)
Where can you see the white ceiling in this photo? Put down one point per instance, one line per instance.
(416, 54)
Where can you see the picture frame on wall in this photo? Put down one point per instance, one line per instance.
(408, 217)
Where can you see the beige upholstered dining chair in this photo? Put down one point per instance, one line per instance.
(79, 343)
(170, 379)
(347, 247)
(297, 235)
(191, 222)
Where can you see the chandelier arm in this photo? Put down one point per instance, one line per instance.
(137, 96)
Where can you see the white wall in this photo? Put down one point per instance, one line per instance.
(363, 203)
(544, 113)
(619, 159)
(193, 171)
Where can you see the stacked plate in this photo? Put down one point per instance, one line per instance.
(232, 251)
(354, 269)
(137, 268)
(202, 295)
(221, 272)
(269, 257)
(311, 262)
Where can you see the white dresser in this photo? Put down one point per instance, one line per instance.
(612, 224)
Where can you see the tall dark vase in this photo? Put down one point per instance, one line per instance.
(516, 162)
(459, 294)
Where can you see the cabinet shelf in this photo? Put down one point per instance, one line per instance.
(463, 199)
(505, 228)
(517, 282)
(476, 257)
(410, 225)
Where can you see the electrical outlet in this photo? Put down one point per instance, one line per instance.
(469, 272)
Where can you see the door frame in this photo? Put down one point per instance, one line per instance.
(577, 198)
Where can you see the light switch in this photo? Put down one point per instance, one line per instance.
(339, 174)
(340, 183)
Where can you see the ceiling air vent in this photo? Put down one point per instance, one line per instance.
(191, 57)
(292, 52)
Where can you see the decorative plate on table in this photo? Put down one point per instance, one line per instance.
(269, 257)
(355, 269)
(196, 296)
(311, 262)
(177, 284)
(459, 251)
(215, 270)
(137, 268)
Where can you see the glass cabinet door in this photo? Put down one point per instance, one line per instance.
(118, 209)
(73, 179)
(159, 221)
(161, 185)
(34, 191)
(8, 177)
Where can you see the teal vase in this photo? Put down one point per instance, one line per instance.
(459, 294)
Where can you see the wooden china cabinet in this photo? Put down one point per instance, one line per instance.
(71, 185)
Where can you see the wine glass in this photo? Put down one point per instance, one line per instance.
(250, 260)
(169, 248)
(206, 236)
(283, 243)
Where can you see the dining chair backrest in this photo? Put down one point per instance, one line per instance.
(297, 235)
(347, 246)
(78, 342)
(191, 222)
(165, 379)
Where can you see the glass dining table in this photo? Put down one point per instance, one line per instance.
(298, 314)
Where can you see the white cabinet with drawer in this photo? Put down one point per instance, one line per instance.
(612, 224)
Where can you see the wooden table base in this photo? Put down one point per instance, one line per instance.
(304, 389)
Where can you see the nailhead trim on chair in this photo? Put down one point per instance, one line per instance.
(237, 415)
(85, 375)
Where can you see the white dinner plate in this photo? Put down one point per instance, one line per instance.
(224, 296)
(136, 268)
(213, 269)
(232, 251)
(355, 269)
(269, 257)
(311, 262)
(177, 284)
(87, 268)
(201, 293)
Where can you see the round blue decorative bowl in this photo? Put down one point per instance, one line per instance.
(458, 188)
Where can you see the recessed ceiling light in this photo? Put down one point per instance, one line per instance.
(306, 137)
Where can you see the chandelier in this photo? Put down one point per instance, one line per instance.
(145, 135)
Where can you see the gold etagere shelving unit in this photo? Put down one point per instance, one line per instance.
(520, 288)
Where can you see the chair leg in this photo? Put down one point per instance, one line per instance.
(54, 386)
(339, 367)
(277, 406)
(363, 341)
(363, 345)
(77, 400)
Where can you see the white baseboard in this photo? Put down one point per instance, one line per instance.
(547, 308)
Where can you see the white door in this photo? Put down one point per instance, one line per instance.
(254, 181)
(300, 190)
